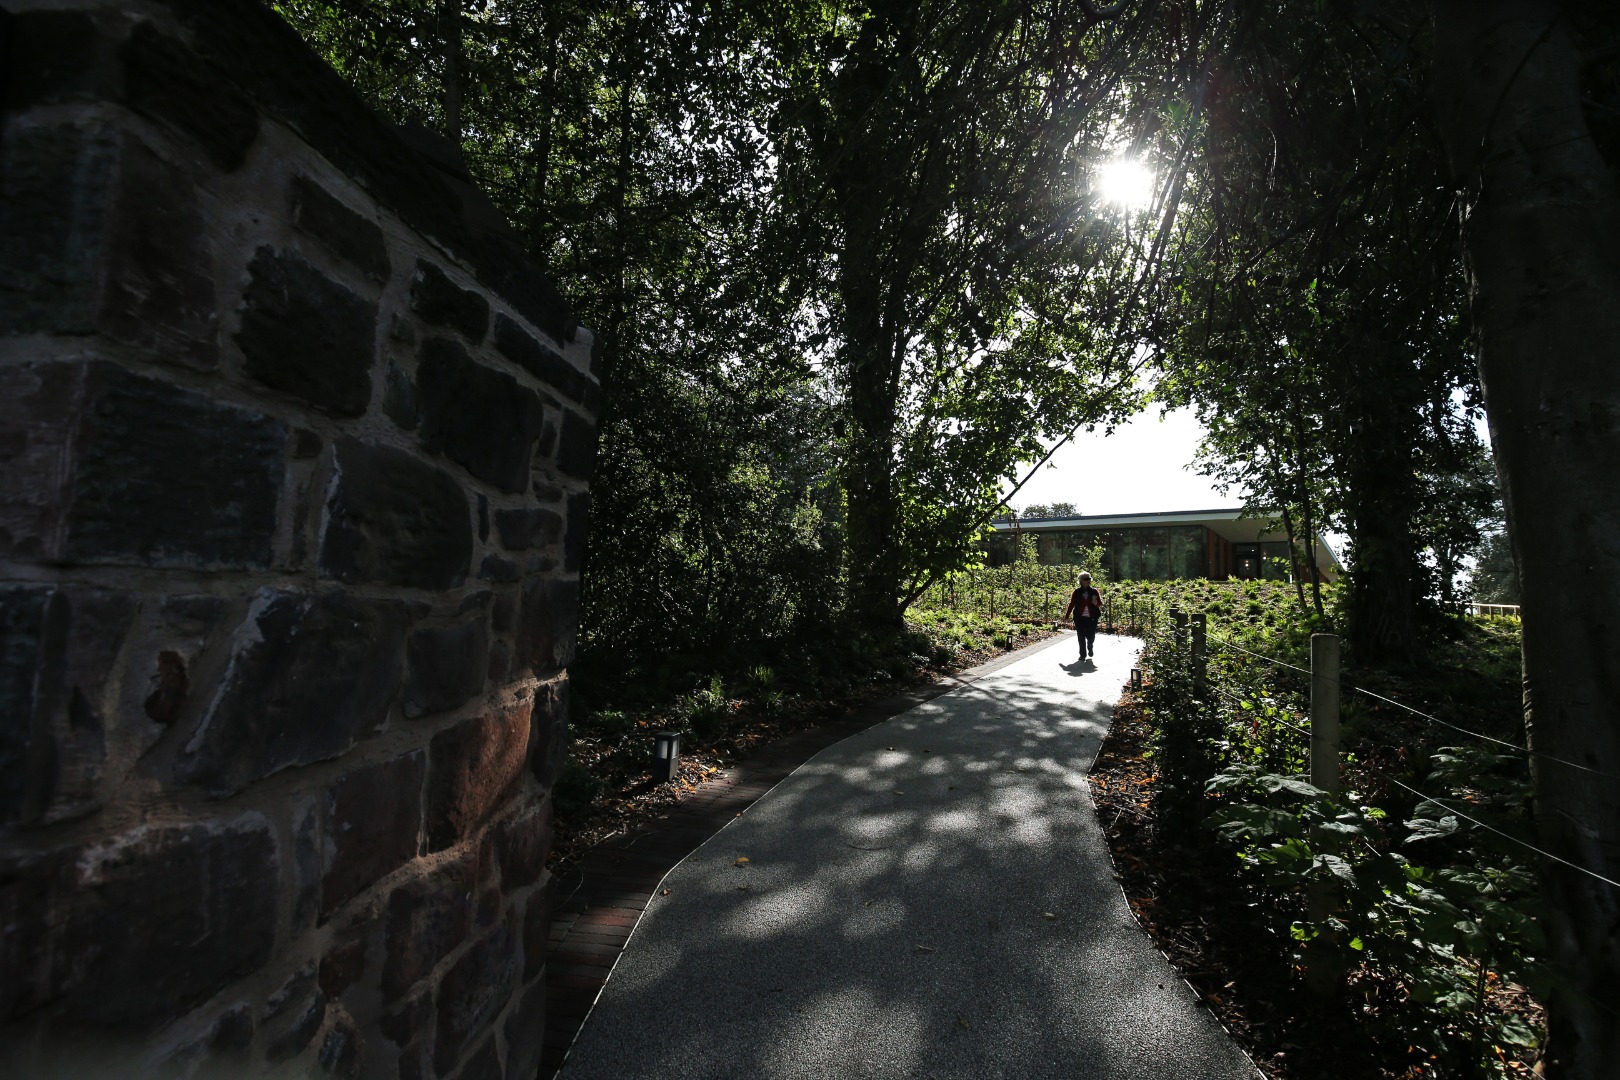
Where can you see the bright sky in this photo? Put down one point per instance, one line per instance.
(1139, 469)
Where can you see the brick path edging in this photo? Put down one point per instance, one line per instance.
(601, 900)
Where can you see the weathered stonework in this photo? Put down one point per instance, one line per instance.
(295, 443)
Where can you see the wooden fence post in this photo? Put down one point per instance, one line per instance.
(1200, 631)
(1325, 713)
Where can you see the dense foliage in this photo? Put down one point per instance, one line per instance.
(1409, 903)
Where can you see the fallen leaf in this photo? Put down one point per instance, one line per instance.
(742, 860)
(869, 903)
(925, 948)
(1049, 915)
(962, 1022)
(663, 892)
(899, 793)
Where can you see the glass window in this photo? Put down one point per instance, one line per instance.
(1155, 554)
(1126, 551)
(1187, 558)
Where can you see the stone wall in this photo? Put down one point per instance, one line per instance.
(294, 451)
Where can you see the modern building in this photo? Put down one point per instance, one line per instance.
(1214, 544)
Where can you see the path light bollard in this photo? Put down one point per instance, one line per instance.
(666, 756)
(1325, 713)
(1136, 678)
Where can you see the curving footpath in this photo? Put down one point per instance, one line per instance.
(931, 897)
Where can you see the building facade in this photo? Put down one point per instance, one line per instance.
(1213, 544)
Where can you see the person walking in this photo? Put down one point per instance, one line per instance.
(1086, 604)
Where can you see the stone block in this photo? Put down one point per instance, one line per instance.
(39, 406)
(293, 1015)
(541, 360)
(548, 623)
(55, 201)
(128, 934)
(473, 993)
(528, 527)
(170, 83)
(341, 1050)
(447, 665)
(346, 233)
(496, 569)
(526, 1032)
(306, 899)
(399, 398)
(478, 417)
(394, 520)
(427, 920)
(158, 289)
(56, 56)
(342, 967)
(97, 232)
(549, 727)
(579, 519)
(402, 1024)
(477, 765)
(441, 302)
(58, 651)
(484, 1063)
(576, 449)
(307, 335)
(308, 678)
(164, 476)
(373, 826)
(522, 843)
(538, 911)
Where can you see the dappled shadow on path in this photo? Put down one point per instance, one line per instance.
(928, 898)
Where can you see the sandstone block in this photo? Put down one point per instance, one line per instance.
(168, 82)
(373, 826)
(526, 1032)
(441, 302)
(167, 477)
(522, 843)
(576, 449)
(307, 335)
(394, 520)
(308, 678)
(529, 527)
(55, 195)
(447, 665)
(58, 648)
(127, 934)
(427, 919)
(579, 518)
(476, 416)
(349, 235)
(477, 766)
(547, 623)
(473, 993)
(541, 360)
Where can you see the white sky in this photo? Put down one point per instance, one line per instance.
(1140, 469)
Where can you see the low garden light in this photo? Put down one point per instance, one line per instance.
(666, 756)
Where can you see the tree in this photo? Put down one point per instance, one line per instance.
(1526, 97)
(938, 156)
(1317, 324)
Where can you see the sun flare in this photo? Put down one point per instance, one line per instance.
(1126, 183)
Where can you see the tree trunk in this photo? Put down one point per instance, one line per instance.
(1382, 500)
(450, 33)
(1543, 245)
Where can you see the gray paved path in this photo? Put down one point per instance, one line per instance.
(929, 898)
